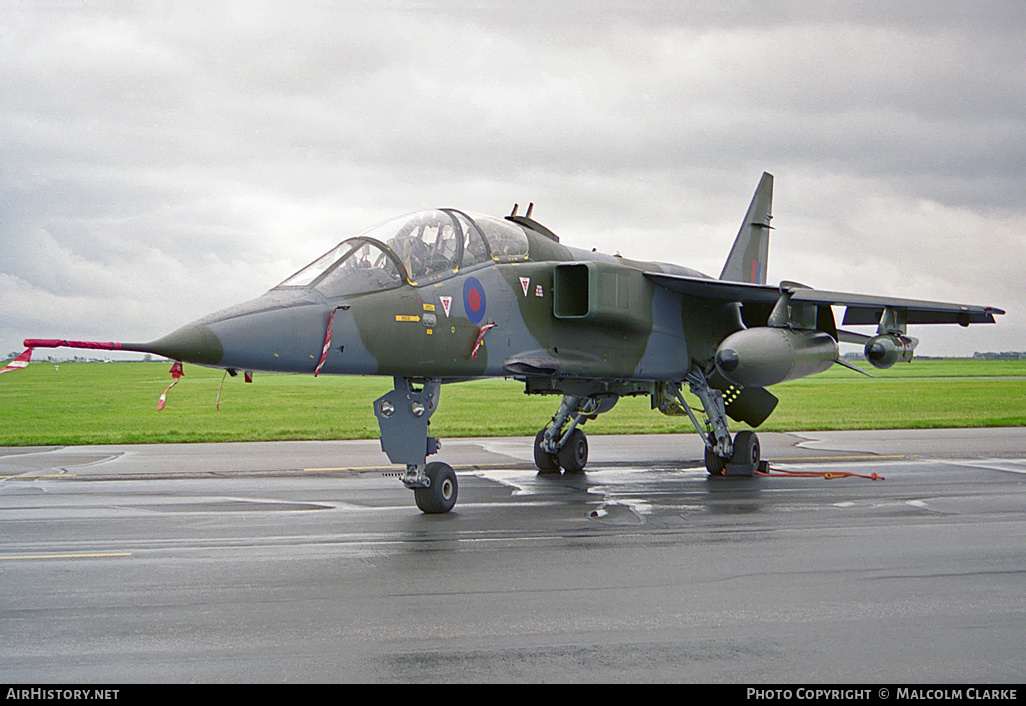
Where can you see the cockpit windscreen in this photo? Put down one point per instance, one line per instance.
(353, 266)
(419, 247)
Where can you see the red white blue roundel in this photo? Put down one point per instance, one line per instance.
(474, 300)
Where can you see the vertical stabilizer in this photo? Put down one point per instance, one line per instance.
(748, 257)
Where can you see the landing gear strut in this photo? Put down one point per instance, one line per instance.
(403, 417)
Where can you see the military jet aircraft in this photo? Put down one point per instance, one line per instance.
(445, 296)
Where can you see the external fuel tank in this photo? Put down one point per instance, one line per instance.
(764, 356)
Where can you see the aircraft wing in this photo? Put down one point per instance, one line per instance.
(724, 290)
(867, 309)
(860, 308)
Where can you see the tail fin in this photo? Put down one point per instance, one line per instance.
(748, 257)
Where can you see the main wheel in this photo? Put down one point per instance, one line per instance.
(746, 450)
(546, 462)
(713, 463)
(573, 457)
(440, 496)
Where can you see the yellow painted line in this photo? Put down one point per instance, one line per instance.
(64, 556)
(348, 468)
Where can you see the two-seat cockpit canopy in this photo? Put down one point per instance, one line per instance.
(414, 249)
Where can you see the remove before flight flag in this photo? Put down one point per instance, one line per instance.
(18, 363)
(176, 373)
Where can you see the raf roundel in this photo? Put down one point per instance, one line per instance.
(474, 300)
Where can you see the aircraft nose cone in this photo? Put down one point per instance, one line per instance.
(727, 360)
(194, 343)
(276, 332)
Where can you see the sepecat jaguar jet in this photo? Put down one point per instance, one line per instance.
(445, 296)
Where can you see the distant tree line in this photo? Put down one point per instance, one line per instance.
(78, 359)
(1004, 355)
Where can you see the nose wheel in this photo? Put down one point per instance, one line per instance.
(439, 496)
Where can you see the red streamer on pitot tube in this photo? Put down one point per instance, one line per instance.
(61, 343)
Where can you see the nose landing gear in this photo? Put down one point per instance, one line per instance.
(403, 416)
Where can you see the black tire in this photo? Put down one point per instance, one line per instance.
(439, 497)
(546, 462)
(573, 457)
(714, 464)
(746, 450)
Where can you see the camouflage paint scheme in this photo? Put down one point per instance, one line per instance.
(443, 296)
(406, 331)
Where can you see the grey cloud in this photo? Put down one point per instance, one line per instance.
(216, 148)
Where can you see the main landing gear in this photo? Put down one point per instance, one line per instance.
(744, 460)
(403, 417)
(741, 456)
(562, 444)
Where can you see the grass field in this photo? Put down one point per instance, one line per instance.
(116, 403)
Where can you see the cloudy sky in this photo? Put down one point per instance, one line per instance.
(162, 160)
